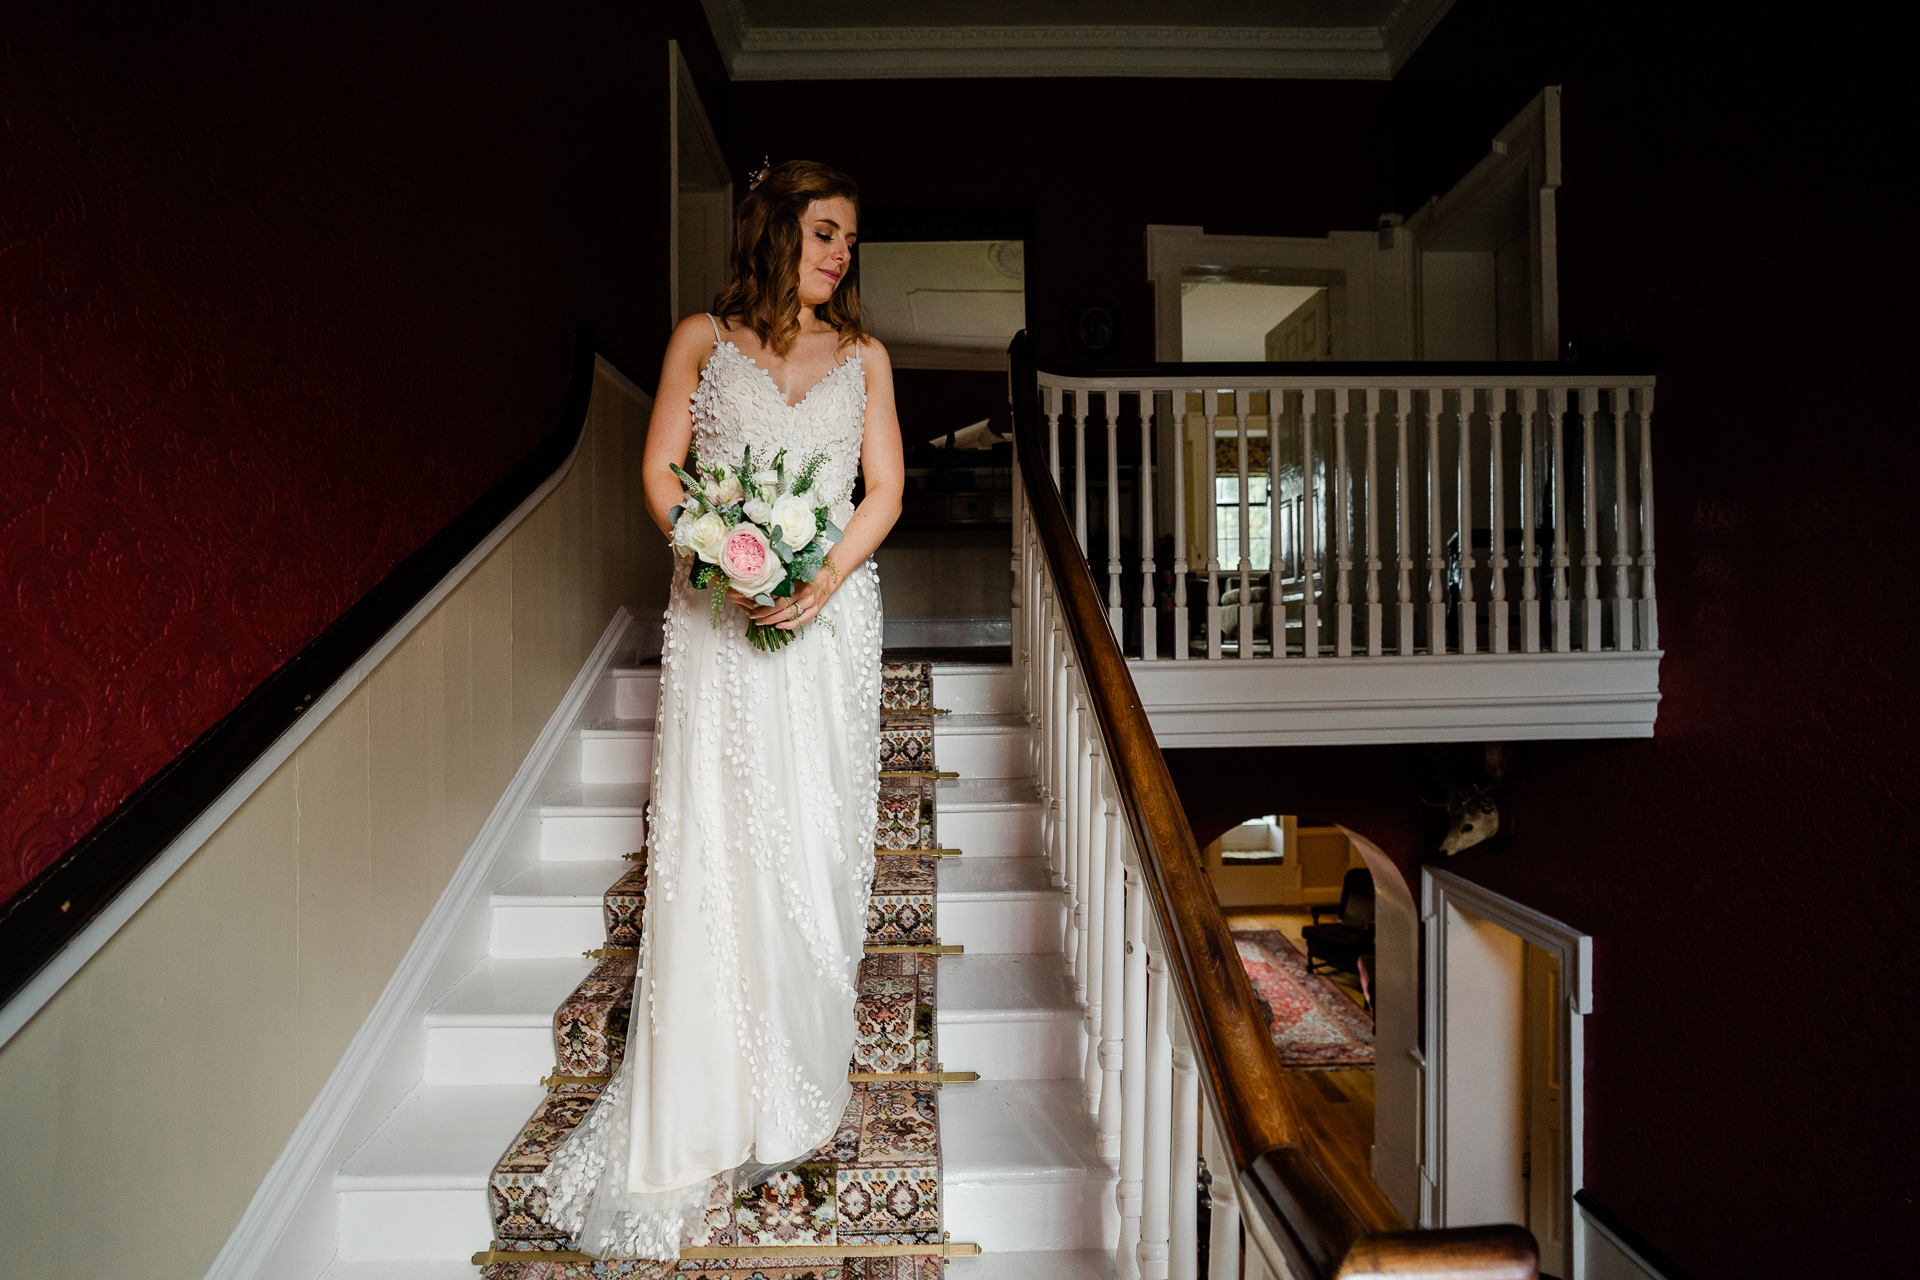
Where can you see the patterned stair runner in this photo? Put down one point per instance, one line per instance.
(877, 1181)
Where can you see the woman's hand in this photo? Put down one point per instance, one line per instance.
(791, 612)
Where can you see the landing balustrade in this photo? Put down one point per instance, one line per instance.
(1350, 510)
(1179, 1064)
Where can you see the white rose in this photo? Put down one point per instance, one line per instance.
(723, 489)
(758, 511)
(793, 514)
(702, 536)
(766, 479)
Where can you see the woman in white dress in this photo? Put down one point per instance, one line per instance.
(760, 825)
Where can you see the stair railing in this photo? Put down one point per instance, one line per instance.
(1179, 1060)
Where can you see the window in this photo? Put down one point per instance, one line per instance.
(1226, 497)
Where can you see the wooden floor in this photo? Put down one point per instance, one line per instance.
(1336, 1107)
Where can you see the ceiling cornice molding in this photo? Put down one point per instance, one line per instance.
(885, 53)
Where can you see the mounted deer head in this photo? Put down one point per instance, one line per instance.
(1473, 812)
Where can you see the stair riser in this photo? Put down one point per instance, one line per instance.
(992, 833)
(488, 1055)
(622, 759)
(535, 933)
(428, 1224)
(984, 755)
(1014, 1049)
(976, 692)
(636, 697)
(591, 837)
(999, 926)
(1022, 1213)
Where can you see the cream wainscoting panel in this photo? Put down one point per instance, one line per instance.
(144, 1103)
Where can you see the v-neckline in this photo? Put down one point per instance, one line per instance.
(778, 393)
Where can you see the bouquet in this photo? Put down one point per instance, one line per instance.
(761, 532)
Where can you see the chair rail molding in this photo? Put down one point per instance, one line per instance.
(1053, 42)
(1439, 890)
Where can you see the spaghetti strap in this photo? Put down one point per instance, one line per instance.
(715, 324)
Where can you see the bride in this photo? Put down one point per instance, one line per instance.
(760, 826)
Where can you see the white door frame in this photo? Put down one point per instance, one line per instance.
(683, 97)
(1440, 889)
(1366, 283)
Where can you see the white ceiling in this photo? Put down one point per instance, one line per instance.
(947, 304)
(884, 39)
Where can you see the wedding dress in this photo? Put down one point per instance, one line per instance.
(759, 863)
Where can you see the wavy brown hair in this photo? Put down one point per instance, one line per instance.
(764, 294)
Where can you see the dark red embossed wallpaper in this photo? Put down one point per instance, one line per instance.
(283, 291)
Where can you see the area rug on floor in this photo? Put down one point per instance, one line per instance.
(1314, 1024)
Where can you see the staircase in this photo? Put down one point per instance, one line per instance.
(1021, 1176)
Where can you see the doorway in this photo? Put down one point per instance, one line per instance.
(1507, 990)
(701, 221)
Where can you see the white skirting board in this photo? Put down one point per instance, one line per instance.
(948, 633)
(287, 1232)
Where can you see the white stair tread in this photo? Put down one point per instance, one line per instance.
(966, 879)
(634, 673)
(980, 722)
(559, 883)
(1017, 1130)
(444, 1136)
(969, 794)
(594, 799)
(988, 987)
(1064, 1264)
(420, 1269)
(509, 993)
(615, 727)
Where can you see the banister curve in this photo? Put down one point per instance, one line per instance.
(1303, 1211)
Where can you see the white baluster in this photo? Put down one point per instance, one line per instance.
(1649, 613)
(1403, 538)
(1436, 543)
(1342, 527)
(1080, 399)
(1083, 857)
(1159, 1124)
(1619, 399)
(1133, 1083)
(1048, 722)
(1276, 595)
(1050, 401)
(1210, 404)
(1590, 522)
(1562, 604)
(1469, 613)
(1094, 940)
(1497, 506)
(1062, 755)
(1113, 986)
(1309, 531)
(1529, 516)
(1113, 517)
(1242, 405)
(1177, 402)
(1223, 1237)
(1376, 621)
(1183, 1240)
(1149, 613)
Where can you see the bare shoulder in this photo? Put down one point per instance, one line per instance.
(874, 355)
(695, 332)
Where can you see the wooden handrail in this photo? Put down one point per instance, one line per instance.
(1298, 1203)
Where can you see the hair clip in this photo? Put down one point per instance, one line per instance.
(759, 175)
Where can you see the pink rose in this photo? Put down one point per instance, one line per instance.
(747, 558)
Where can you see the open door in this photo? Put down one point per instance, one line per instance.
(1545, 1158)
(702, 218)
